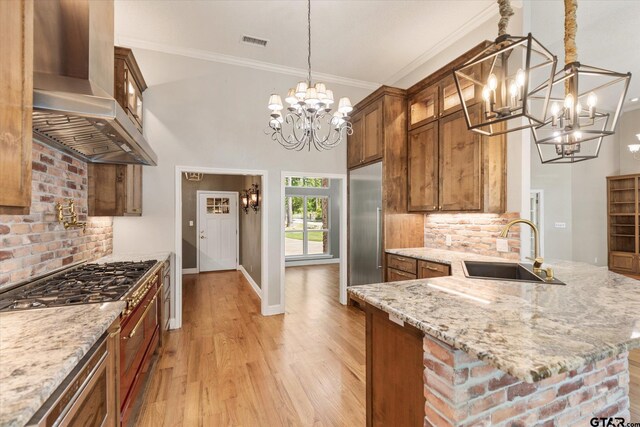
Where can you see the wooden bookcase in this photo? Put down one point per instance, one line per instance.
(623, 201)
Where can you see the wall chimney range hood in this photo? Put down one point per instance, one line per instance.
(73, 106)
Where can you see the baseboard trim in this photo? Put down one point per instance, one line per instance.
(272, 310)
(252, 282)
(190, 271)
(318, 261)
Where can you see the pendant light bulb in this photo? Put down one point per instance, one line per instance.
(520, 77)
(493, 82)
(568, 101)
(592, 99)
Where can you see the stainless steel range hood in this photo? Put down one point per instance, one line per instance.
(73, 106)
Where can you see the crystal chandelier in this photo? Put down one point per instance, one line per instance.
(508, 79)
(307, 120)
(584, 107)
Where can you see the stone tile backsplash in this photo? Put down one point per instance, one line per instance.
(471, 232)
(36, 243)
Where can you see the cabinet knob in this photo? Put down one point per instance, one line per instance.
(434, 208)
(440, 207)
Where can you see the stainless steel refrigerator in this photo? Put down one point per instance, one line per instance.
(365, 225)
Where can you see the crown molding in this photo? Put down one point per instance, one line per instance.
(241, 62)
(446, 42)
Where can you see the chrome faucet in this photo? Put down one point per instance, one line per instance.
(537, 259)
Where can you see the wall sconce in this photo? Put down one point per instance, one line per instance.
(250, 198)
(254, 197)
(244, 200)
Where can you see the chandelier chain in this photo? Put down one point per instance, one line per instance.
(309, 38)
(570, 29)
(506, 12)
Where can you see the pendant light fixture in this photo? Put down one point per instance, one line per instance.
(585, 104)
(511, 80)
(193, 176)
(307, 120)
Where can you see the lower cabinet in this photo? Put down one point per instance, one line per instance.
(406, 268)
(395, 387)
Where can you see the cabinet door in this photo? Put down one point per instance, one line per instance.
(16, 103)
(354, 143)
(373, 132)
(423, 168)
(424, 106)
(450, 99)
(103, 182)
(460, 164)
(134, 190)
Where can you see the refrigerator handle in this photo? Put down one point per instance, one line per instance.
(379, 237)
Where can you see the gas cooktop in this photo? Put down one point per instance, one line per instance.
(88, 283)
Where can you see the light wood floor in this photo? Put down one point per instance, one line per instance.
(229, 366)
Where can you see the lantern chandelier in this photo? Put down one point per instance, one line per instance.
(308, 120)
(585, 104)
(503, 78)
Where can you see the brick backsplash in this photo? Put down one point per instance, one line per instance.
(36, 243)
(461, 390)
(471, 232)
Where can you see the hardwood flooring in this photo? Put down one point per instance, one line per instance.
(230, 366)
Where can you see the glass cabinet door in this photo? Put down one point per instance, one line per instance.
(423, 106)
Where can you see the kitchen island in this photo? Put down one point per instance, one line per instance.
(499, 352)
(40, 348)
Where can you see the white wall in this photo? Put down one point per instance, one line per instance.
(208, 114)
(629, 128)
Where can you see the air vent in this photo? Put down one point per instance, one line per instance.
(254, 40)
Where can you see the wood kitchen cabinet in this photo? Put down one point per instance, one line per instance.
(114, 190)
(129, 84)
(407, 268)
(450, 168)
(623, 199)
(366, 144)
(395, 387)
(16, 105)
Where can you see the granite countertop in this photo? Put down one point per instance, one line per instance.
(532, 331)
(135, 256)
(39, 348)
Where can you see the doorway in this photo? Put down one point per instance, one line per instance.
(313, 230)
(218, 246)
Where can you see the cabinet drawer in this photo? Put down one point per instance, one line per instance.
(394, 275)
(427, 269)
(402, 263)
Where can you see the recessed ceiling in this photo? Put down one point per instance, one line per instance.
(363, 40)
(369, 41)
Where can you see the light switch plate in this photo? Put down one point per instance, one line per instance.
(190, 223)
(448, 239)
(560, 225)
(502, 245)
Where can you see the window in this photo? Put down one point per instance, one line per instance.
(217, 205)
(306, 226)
(295, 181)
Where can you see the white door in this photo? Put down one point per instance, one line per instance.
(217, 230)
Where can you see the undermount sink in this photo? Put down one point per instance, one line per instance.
(510, 271)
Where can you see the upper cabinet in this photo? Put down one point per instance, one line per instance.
(16, 104)
(365, 145)
(451, 169)
(116, 190)
(129, 84)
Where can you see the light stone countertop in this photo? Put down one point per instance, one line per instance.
(135, 256)
(532, 331)
(39, 348)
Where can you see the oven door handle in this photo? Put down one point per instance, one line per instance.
(144, 315)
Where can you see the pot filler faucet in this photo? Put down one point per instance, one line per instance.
(537, 259)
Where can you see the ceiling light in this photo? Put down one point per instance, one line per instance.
(634, 99)
(585, 105)
(193, 176)
(513, 75)
(308, 119)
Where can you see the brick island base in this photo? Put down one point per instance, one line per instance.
(461, 390)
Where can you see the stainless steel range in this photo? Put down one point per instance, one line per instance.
(87, 283)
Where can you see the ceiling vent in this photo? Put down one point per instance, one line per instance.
(254, 40)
